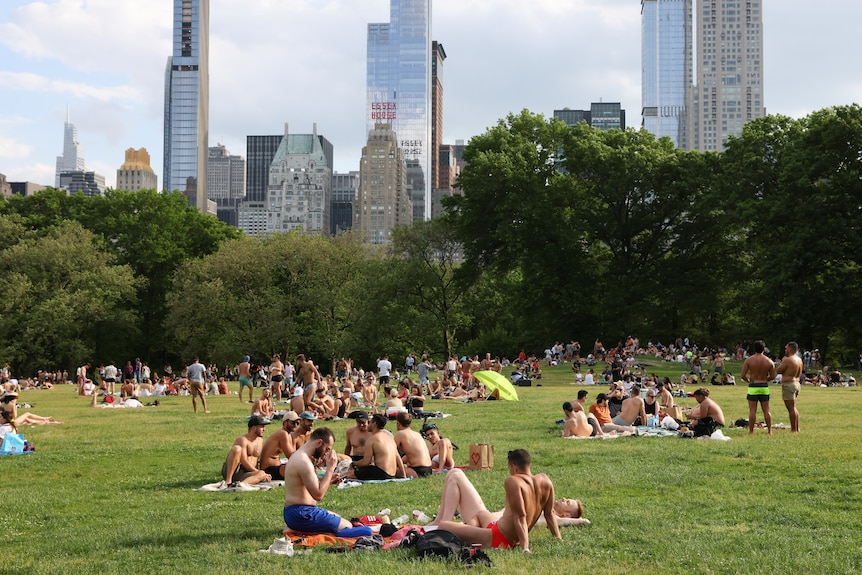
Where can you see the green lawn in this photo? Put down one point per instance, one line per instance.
(113, 490)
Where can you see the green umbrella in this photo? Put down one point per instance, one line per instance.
(494, 380)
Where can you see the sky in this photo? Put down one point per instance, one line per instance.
(303, 62)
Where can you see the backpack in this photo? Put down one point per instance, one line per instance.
(439, 543)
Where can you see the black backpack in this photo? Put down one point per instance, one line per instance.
(439, 543)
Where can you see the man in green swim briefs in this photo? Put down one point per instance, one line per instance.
(757, 371)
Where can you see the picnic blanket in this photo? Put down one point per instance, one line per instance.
(350, 483)
(240, 486)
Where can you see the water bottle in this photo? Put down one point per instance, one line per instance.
(400, 520)
(420, 517)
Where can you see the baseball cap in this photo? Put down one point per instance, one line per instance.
(308, 415)
(362, 416)
(291, 416)
(257, 420)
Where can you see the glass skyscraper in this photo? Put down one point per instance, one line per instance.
(702, 78)
(187, 103)
(666, 60)
(399, 91)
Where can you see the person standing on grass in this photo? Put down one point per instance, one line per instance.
(790, 370)
(757, 371)
(528, 496)
(276, 375)
(196, 374)
(244, 371)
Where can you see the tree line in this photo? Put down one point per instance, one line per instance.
(561, 233)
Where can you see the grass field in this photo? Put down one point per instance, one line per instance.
(114, 491)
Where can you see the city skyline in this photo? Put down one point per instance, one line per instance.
(501, 59)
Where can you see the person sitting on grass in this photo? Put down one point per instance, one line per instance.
(439, 448)
(707, 415)
(632, 410)
(579, 423)
(602, 414)
(7, 424)
(9, 403)
(242, 459)
(411, 446)
(278, 443)
(528, 497)
(303, 489)
(263, 404)
(381, 460)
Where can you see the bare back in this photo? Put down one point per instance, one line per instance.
(758, 369)
(411, 444)
(279, 442)
(527, 496)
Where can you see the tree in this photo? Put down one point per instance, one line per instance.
(65, 300)
(519, 219)
(425, 258)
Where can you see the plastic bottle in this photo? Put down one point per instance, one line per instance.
(420, 516)
(401, 520)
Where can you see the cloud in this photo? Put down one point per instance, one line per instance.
(13, 149)
(37, 83)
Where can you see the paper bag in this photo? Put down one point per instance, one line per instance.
(675, 412)
(481, 456)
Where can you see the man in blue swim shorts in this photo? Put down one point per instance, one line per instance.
(303, 489)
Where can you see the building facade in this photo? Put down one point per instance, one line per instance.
(136, 174)
(72, 159)
(225, 182)
(601, 115)
(5, 187)
(187, 103)
(82, 182)
(702, 69)
(344, 189)
(399, 91)
(300, 184)
(382, 202)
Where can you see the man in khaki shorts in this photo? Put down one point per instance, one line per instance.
(790, 370)
(197, 384)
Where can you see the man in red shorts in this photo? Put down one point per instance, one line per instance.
(528, 496)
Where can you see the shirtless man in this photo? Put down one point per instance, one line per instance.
(439, 449)
(303, 430)
(297, 401)
(757, 371)
(369, 392)
(381, 460)
(357, 437)
(632, 409)
(324, 404)
(242, 459)
(665, 397)
(417, 461)
(263, 404)
(303, 489)
(244, 371)
(790, 370)
(280, 442)
(528, 496)
(276, 375)
(576, 421)
(707, 415)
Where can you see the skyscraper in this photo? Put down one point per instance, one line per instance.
(399, 90)
(382, 202)
(700, 103)
(666, 60)
(187, 103)
(729, 89)
(72, 159)
(225, 182)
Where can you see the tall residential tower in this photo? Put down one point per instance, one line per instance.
(187, 103)
(399, 91)
(702, 69)
(72, 159)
